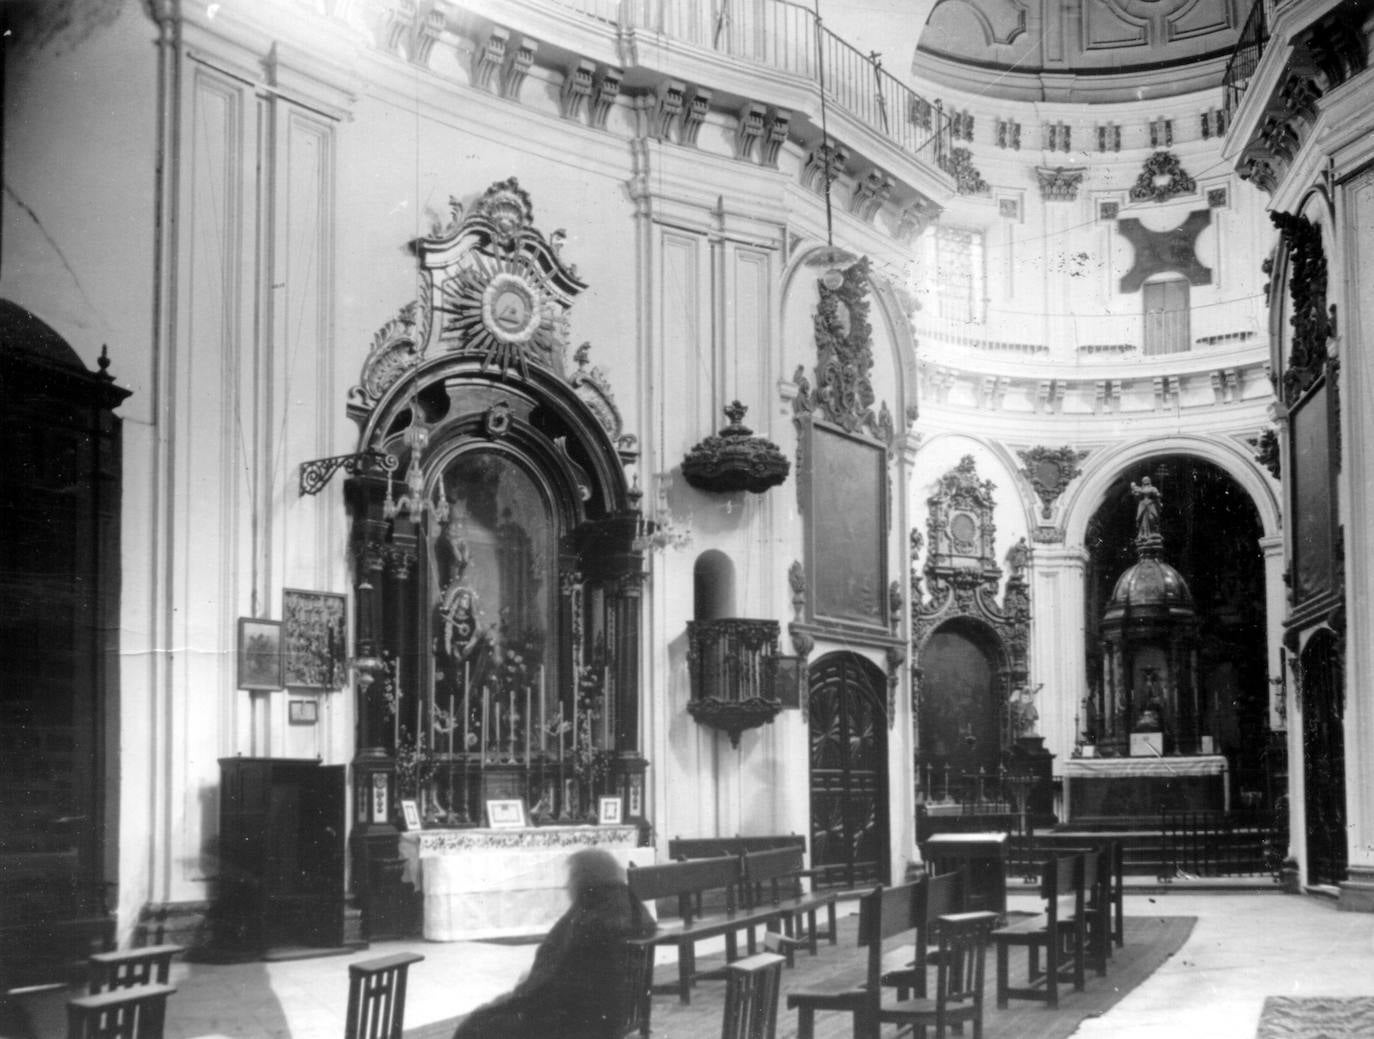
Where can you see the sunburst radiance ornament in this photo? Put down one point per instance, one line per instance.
(496, 310)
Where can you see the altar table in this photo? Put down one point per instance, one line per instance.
(499, 883)
(1143, 787)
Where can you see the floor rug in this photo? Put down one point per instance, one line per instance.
(1149, 942)
(1316, 1017)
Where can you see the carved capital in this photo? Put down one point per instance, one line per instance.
(1059, 183)
(870, 193)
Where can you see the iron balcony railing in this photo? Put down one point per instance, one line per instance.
(789, 38)
(1246, 56)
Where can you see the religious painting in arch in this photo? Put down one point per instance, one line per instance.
(496, 539)
(963, 686)
(1202, 683)
(847, 718)
(973, 703)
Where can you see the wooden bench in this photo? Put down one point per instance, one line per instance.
(774, 879)
(1059, 931)
(887, 917)
(686, 884)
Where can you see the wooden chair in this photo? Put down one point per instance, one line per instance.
(751, 997)
(115, 970)
(127, 1013)
(884, 914)
(1058, 931)
(961, 955)
(939, 896)
(377, 996)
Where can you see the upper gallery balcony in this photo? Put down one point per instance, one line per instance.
(766, 61)
(1291, 54)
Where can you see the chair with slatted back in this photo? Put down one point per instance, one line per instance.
(377, 996)
(960, 957)
(126, 1013)
(113, 970)
(885, 914)
(751, 997)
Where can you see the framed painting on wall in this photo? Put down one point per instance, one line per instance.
(847, 526)
(259, 654)
(313, 639)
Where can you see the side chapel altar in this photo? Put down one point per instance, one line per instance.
(483, 883)
(1149, 726)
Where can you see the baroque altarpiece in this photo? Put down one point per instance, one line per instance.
(495, 538)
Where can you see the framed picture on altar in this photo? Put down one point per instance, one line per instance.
(609, 811)
(506, 815)
(410, 814)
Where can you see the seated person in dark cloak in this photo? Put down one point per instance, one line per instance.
(576, 988)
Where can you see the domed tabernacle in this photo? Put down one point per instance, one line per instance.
(1151, 588)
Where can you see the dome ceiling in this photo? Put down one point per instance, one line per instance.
(1080, 49)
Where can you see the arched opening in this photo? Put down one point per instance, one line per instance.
(849, 795)
(1323, 742)
(961, 719)
(713, 586)
(1211, 530)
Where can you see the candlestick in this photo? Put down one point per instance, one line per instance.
(482, 739)
(543, 731)
(510, 727)
(560, 734)
(467, 706)
(606, 708)
(527, 726)
(452, 724)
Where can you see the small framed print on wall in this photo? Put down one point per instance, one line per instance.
(410, 814)
(609, 811)
(302, 712)
(313, 639)
(259, 654)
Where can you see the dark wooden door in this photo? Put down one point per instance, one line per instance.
(1323, 739)
(848, 728)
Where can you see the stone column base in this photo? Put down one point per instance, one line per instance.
(1357, 890)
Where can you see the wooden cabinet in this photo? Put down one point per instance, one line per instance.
(281, 880)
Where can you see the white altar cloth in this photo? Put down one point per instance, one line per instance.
(499, 883)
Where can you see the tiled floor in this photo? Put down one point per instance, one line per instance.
(1244, 947)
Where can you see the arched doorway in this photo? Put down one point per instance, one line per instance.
(1323, 742)
(848, 735)
(963, 690)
